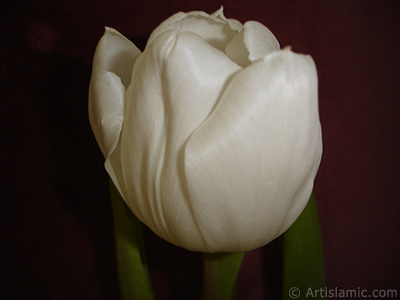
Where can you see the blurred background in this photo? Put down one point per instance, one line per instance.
(56, 230)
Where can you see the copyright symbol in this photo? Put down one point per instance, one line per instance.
(294, 293)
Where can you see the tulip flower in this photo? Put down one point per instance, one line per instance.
(212, 134)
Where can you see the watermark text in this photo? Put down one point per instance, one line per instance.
(296, 293)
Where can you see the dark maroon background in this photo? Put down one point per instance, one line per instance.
(56, 224)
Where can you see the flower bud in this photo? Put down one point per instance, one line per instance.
(212, 134)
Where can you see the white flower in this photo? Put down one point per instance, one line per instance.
(212, 134)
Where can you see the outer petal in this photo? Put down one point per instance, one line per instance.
(176, 84)
(216, 30)
(112, 67)
(253, 43)
(250, 167)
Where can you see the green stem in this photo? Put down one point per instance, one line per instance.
(303, 257)
(133, 275)
(220, 275)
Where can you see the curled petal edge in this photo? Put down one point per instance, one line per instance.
(176, 22)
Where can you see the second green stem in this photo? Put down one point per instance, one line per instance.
(220, 275)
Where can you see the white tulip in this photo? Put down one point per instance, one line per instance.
(212, 134)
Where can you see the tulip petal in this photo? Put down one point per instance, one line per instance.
(176, 84)
(143, 136)
(112, 67)
(168, 24)
(254, 42)
(259, 40)
(237, 51)
(233, 23)
(217, 31)
(250, 166)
